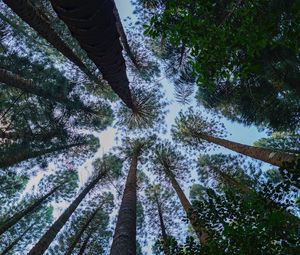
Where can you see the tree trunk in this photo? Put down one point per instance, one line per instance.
(39, 22)
(85, 243)
(93, 24)
(80, 233)
(43, 244)
(30, 209)
(124, 241)
(201, 233)
(272, 157)
(25, 154)
(123, 37)
(162, 227)
(28, 86)
(9, 247)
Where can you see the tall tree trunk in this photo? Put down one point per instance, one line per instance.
(30, 209)
(39, 22)
(124, 241)
(162, 227)
(16, 81)
(93, 24)
(43, 244)
(123, 37)
(25, 154)
(272, 157)
(13, 243)
(85, 243)
(200, 232)
(80, 233)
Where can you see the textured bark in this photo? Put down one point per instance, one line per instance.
(33, 17)
(162, 227)
(124, 241)
(272, 157)
(28, 86)
(25, 154)
(80, 233)
(85, 243)
(200, 232)
(11, 246)
(43, 244)
(30, 209)
(93, 24)
(123, 37)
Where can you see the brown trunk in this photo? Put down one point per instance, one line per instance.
(39, 22)
(43, 244)
(201, 233)
(162, 227)
(25, 154)
(11, 246)
(30, 209)
(272, 157)
(80, 233)
(124, 241)
(85, 243)
(93, 24)
(28, 86)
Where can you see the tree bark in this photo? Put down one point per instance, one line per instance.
(26, 153)
(30, 209)
(93, 24)
(162, 227)
(85, 243)
(80, 233)
(124, 241)
(39, 22)
(200, 232)
(269, 156)
(9, 247)
(16, 81)
(43, 244)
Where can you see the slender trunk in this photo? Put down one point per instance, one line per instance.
(162, 227)
(200, 232)
(85, 243)
(92, 23)
(11, 246)
(272, 157)
(124, 241)
(30, 209)
(123, 37)
(80, 233)
(42, 25)
(26, 153)
(16, 81)
(43, 244)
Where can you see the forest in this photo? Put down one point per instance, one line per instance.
(149, 127)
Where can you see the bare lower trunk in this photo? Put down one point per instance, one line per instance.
(124, 241)
(43, 244)
(39, 22)
(201, 233)
(30, 209)
(80, 233)
(272, 157)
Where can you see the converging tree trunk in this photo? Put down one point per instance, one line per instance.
(162, 227)
(28, 86)
(13, 243)
(272, 157)
(78, 235)
(201, 233)
(124, 241)
(30, 209)
(41, 24)
(25, 153)
(93, 24)
(43, 244)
